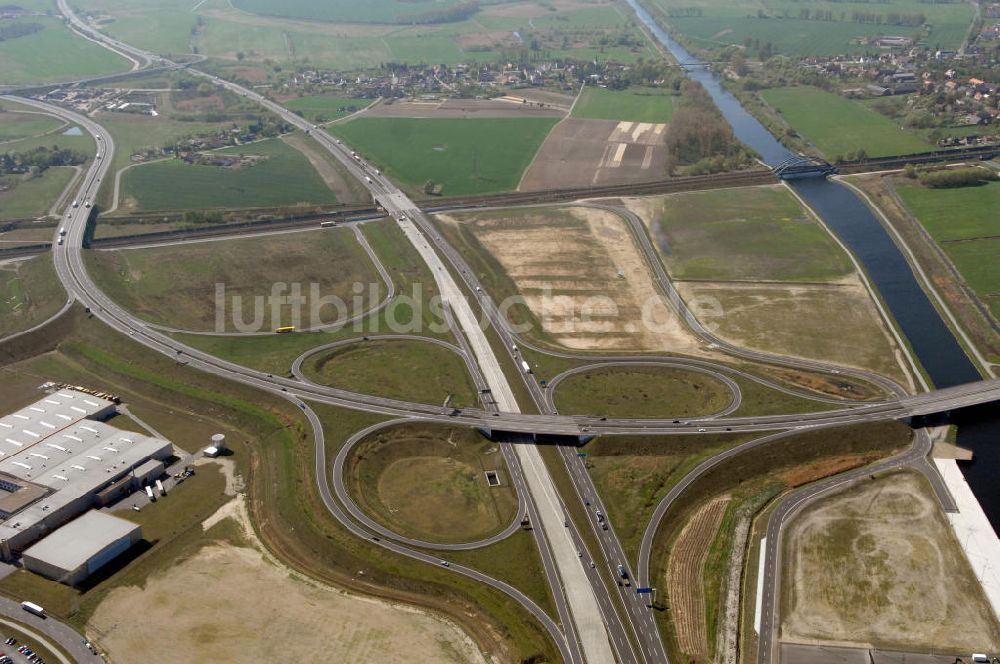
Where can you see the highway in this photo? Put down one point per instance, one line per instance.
(594, 630)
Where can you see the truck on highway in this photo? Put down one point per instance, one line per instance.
(76, 203)
(285, 329)
(31, 607)
(368, 179)
(327, 224)
(62, 231)
(60, 243)
(526, 367)
(623, 573)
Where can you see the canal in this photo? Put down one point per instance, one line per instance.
(855, 224)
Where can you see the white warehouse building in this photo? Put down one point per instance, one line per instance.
(81, 547)
(57, 461)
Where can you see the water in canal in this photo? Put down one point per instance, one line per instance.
(856, 225)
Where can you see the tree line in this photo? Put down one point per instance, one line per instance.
(37, 160)
(698, 137)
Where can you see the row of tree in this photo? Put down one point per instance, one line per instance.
(950, 177)
(37, 160)
(15, 30)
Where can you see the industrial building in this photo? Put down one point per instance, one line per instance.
(80, 548)
(57, 460)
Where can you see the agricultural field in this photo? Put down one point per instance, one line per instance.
(54, 53)
(430, 483)
(323, 108)
(838, 126)
(24, 197)
(641, 392)
(388, 368)
(713, 25)
(582, 152)
(882, 566)
(686, 575)
(29, 293)
(281, 176)
(963, 223)
(778, 279)
(574, 276)
(747, 234)
(632, 105)
(349, 35)
(463, 156)
(17, 121)
(177, 285)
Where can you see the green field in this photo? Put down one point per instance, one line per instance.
(54, 54)
(632, 105)
(223, 32)
(466, 156)
(29, 294)
(641, 392)
(176, 285)
(429, 483)
(388, 367)
(15, 125)
(32, 197)
(371, 11)
(964, 222)
(285, 178)
(778, 22)
(323, 108)
(837, 125)
(754, 233)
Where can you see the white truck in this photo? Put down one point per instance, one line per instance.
(150, 494)
(160, 488)
(31, 607)
(76, 203)
(62, 231)
(526, 367)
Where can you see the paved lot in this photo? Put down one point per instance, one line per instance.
(793, 653)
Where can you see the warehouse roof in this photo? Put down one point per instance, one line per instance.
(80, 540)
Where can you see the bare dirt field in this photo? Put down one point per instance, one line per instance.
(200, 610)
(835, 322)
(461, 108)
(579, 153)
(684, 576)
(878, 565)
(583, 279)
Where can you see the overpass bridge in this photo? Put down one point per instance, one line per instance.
(561, 428)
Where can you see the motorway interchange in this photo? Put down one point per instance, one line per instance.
(599, 619)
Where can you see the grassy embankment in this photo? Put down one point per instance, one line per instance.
(29, 294)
